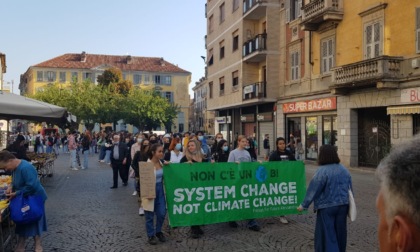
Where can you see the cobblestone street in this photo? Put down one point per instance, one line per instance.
(83, 214)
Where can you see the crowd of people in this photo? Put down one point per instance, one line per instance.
(328, 190)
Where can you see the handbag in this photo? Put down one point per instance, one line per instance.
(26, 209)
(352, 207)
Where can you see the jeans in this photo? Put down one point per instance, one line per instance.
(40, 148)
(331, 229)
(102, 152)
(108, 156)
(73, 163)
(85, 158)
(65, 148)
(49, 149)
(159, 211)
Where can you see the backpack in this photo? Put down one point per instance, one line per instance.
(37, 140)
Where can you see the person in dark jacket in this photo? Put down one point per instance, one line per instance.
(281, 153)
(18, 149)
(222, 151)
(119, 155)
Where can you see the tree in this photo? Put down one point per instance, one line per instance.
(110, 76)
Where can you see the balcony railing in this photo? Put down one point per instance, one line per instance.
(254, 9)
(254, 90)
(370, 72)
(257, 44)
(319, 11)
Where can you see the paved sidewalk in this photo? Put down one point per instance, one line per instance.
(84, 214)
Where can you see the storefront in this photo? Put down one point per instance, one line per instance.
(313, 121)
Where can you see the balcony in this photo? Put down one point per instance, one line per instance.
(254, 91)
(380, 72)
(319, 11)
(254, 9)
(255, 50)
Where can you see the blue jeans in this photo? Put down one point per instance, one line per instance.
(108, 156)
(331, 229)
(102, 152)
(85, 158)
(159, 211)
(40, 148)
(73, 162)
(49, 149)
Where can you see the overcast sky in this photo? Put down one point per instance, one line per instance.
(36, 31)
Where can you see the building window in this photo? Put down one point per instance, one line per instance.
(211, 90)
(39, 76)
(327, 55)
(210, 57)
(62, 77)
(222, 13)
(294, 59)
(329, 130)
(137, 79)
(418, 30)
(87, 76)
(293, 9)
(124, 75)
(222, 49)
(169, 96)
(235, 5)
(211, 25)
(157, 79)
(235, 43)
(235, 80)
(373, 40)
(51, 76)
(147, 79)
(311, 129)
(167, 80)
(74, 77)
(222, 86)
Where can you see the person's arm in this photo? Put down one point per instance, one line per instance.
(315, 188)
(273, 156)
(30, 178)
(231, 158)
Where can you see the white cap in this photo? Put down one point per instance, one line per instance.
(167, 135)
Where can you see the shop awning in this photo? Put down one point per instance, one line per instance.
(403, 110)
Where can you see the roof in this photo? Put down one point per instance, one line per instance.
(125, 63)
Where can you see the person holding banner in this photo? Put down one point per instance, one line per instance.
(329, 190)
(157, 204)
(140, 156)
(193, 154)
(281, 154)
(238, 155)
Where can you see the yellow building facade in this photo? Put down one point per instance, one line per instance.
(360, 84)
(144, 72)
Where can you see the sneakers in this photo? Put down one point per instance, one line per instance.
(141, 211)
(134, 193)
(255, 228)
(161, 237)
(74, 169)
(102, 161)
(83, 168)
(283, 220)
(152, 240)
(233, 224)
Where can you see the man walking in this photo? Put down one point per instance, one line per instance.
(119, 154)
(266, 145)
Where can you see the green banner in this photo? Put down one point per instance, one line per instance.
(206, 193)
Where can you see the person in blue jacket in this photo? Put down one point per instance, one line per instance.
(24, 181)
(329, 190)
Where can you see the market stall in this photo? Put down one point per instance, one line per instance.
(44, 164)
(6, 224)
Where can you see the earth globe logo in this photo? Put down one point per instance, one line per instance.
(261, 174)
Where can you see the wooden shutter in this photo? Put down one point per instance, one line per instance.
(418, 30)
(287, 7)
(299, 10)
(368, 41)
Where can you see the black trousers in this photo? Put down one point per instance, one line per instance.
(118, 167)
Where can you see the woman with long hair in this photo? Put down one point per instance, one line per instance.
(238, 155)
(175, 154)
(154, 229)
(193, 154)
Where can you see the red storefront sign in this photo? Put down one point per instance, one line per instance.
(311, 105)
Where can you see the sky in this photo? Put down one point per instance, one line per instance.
(36, 31)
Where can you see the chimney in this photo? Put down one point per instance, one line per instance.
(162, 62)
(129, 59)
(83, 57)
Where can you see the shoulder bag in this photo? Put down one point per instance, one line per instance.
(26, 209)
(352, 207)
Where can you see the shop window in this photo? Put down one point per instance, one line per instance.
(329, 130)
(311, 128)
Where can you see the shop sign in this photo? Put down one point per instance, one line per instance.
(221, 119)
(265, 117)
(248, 89)
(247, 118)
(410, 95)
(310, 105)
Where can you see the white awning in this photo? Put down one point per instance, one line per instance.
(403, 110)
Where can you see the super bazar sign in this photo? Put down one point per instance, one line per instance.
(310, 105)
